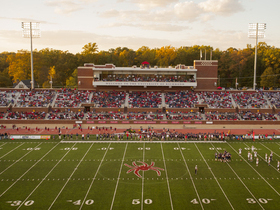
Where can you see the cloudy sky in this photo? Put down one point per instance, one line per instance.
(70, 24)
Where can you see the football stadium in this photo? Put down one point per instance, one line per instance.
(140, 138)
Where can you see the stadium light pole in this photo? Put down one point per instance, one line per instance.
(31, 30)
(256, 30)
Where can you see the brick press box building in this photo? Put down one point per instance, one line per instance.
(201, 76)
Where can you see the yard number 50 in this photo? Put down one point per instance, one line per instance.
(137, 201)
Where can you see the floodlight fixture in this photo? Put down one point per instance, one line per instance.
(256, 31)
(31, 30)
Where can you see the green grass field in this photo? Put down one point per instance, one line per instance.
(41, 174)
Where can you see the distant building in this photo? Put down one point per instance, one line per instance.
(202, 76)
(23, 84)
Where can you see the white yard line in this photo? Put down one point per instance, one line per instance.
(214, 176)
(94, 176)
(28, 170)
(264, 159)
(255, 171)
(170, 197)
(3, 144)
(45, 177)
(11, 150)
(115, 192)
(70, 176)
(18, 160)
(241, 180)
(142, 195)
(274, 153)
(191, 177)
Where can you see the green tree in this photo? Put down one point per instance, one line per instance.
(72, 81)
(268, 78)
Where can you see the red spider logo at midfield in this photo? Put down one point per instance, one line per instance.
(144, 167)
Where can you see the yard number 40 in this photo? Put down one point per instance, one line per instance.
(137, 201)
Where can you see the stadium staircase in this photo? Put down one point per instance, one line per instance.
(54, 99)
(126, 100)
(232, 101)
(268, 102)
(163, 100)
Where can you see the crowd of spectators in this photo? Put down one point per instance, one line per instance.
(145, 116)
(146, 78)
(110, 99)
(65, 115)
(145, 99)
(181, 99)
(26, 115)
(177, 115)
(274, 98)
(112, 115)
(221, 116)
(216, 99)
(35, 98)
(248, 115)
(71, 98)
(250, 100)
(6, 97)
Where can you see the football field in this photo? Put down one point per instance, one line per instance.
(41, 174)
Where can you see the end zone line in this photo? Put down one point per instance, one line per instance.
(214, 176)
(94, 176)
(170, 197)
(256, 171)
(191, 177)
(11, 150)
(158, 142)
(118, 179)
(18, 160)
(242, 182)
(70, 176)
(45, 177)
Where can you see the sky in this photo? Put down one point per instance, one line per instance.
(68, 25)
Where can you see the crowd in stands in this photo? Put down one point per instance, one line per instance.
(71, 98)
(26, 115)
(250, 100)
(112, 115)
(174, 115)
(6, 97)
(146, 78)
(248, 115)
(144, 99)
(66, 115)
(274, 98)
(145, 116)
(35, 98)
(110, 99)
(221, 116)
(216, 99)
(181, 99)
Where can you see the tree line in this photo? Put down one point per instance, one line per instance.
(60, 67)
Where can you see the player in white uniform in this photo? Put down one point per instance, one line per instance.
(257, 161)
(265, 157)
(278, 165)
(255, 154)
(240, 151)
(195, 169)
(249, 155)
(268, 161)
